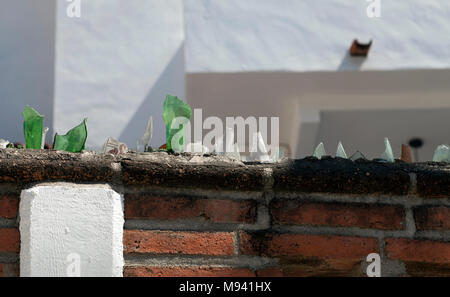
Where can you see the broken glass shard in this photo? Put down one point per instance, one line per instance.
(231, 149)
(340, 152)
(406, 154)
(442, 154)
(258, 151)
(276, 155)
(387, 155)
(229, 139)
(44, 134)
(319, 152)
(3, 144)
(32, 128)
(142, 143)
(114, 147)
(236, 153)
(176, 114)
(74, 141)
(358, 155)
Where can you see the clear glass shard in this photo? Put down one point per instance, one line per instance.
(143, 142)
(231, 148)
(123, 149)
(235, 154)
(319, 152)
(356, 156)
(340, 152)
(387, 155)
(114, 147)
(218, 146)
(258, 151)
(44, 134)
(276, 155)
(442, 154)
(3, 143)
(229, 138)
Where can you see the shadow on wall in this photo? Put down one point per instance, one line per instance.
(27, 51)
(171, 81)
(350, 63)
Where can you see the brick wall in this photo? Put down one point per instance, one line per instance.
(209, 216)
(9, 234)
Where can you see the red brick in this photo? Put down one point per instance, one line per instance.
(145, 271)
(422, 269)
(432, 218)
(323, 267)
(9, 240)
(9, 270)
(314, 267)
(296, 245)
(291, 212)
(141, 206)
(8, 206)
(217, 211)
(418, 250)
(223, 211)
(168, 242)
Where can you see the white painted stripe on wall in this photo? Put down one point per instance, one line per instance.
(71, 230)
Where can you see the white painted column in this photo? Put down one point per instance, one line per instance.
(71, 230)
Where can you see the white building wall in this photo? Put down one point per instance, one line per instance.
(27, 33)
(115, 64)
(305, 35)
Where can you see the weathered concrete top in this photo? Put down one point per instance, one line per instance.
(332, 175)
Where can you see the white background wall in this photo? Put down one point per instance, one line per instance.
(27, 33)
(305, 35)
(115, 66)
(285, 58)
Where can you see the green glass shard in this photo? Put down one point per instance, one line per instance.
(340, 152)
(176, 114)
(32, 128)
(442, 154)
(387, 155)
(319, 152)
(73, 141)
(358, 155)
